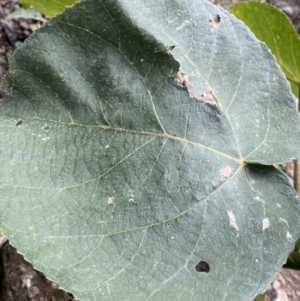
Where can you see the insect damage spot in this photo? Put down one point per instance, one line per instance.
(20, 122)
(202, 266)
(216, 19)
(232, 220)
(46, 128)
(265, 224)
(182, 80)
(225, 171)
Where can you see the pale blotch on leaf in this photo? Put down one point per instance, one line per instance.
(266, 224)
(226, 171)
(208, 97)
(182, 80)
(111, 200)
(288, 235)
(232, 220)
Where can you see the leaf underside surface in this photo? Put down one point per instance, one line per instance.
(137, 144)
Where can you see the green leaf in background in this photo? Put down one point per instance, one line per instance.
(260, 298)
(273, 27)
(134, 149)
(48, 7)
(293, 261)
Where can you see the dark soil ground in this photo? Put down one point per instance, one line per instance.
(18, 279)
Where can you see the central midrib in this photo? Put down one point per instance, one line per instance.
(153, 134)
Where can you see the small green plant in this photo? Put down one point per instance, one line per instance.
(137, 143)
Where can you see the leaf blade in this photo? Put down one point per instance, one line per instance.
(123, 188)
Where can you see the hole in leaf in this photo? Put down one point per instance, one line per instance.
(215, 20)
(170, 48)
(202, 266)
(3, 94)
(20, 121)
(165, 49)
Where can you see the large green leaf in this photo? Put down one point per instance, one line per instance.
(48, 7)
(134, 151)
(273, 27)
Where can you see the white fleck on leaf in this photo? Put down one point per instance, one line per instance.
(111, 200)
(225, 171)
(232, 220)
(266, 224)
(284, 221)
(184, 23)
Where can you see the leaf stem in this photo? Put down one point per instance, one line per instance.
(297, 162)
